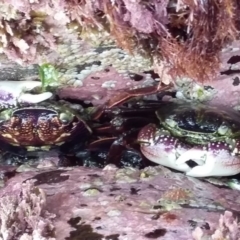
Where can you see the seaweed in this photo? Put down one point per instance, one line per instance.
(186, 35)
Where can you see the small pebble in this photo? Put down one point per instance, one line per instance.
(97, 97)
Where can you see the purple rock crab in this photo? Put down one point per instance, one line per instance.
(186, 134)
(207, 135)
(32, 122)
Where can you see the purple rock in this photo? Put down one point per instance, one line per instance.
(153, 203)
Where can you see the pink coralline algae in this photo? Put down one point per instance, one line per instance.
(124, 204)
(23, 216)
(228, 228)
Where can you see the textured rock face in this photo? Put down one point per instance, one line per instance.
(33, 31)
(128, 204)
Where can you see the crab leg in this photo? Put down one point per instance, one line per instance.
(125, 95)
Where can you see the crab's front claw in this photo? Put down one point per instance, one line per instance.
(215, 159)
(13, 92)
(160, 147)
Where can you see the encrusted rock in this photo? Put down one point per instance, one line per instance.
(167, 205)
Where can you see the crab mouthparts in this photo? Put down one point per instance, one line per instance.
(194, 163)
(198, 161)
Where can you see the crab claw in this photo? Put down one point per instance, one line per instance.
(217, 159)
(160, 147)
(13, 92)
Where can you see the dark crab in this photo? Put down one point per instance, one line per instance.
(30, 122)
(31, 132)
(51, 125)
(199, 123)
(207, 135)
(43, 126)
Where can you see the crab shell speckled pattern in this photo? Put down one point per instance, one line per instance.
(214, 159)
(199, 123)
(14, 92)
(40, 127)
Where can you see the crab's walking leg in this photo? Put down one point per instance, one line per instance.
(127, 94)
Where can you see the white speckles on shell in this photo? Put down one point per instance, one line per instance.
(217, 147)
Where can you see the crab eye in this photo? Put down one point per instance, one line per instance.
(170, 122)
(5, 115)
(65, 118)
(223, 129)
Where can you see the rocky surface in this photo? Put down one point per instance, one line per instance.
(98, 83)
(126, 204)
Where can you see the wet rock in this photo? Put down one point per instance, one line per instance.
(157, 203)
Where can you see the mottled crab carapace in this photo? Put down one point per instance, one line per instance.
(206, 135)
(41, 126)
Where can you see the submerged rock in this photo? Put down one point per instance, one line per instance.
(153, 203)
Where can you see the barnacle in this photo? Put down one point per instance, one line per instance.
(176, 195)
